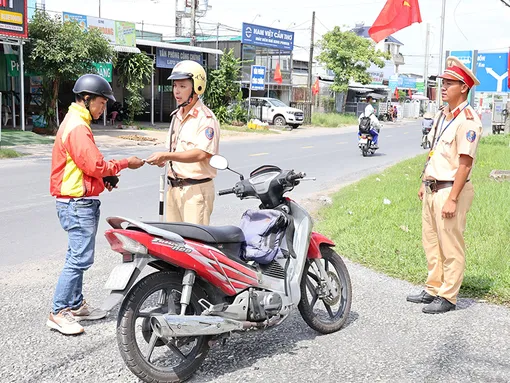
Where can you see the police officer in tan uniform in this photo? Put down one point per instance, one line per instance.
(446, 190)
(193, 139)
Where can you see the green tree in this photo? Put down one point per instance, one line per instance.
(223, 87)
(61, 52)
(349, 56)
(135, 70)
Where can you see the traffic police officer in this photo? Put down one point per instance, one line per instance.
(193, 139)
(446, 190)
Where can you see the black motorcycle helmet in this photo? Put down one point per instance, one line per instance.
(95, 85)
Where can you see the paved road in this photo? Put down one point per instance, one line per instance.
(385, 340)
(28, 211)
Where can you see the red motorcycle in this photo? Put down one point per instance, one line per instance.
(206, 282)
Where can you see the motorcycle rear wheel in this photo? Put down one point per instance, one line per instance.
(154, 361)
(328, 319)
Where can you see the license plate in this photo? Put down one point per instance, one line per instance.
(120, 276)
(363, 140)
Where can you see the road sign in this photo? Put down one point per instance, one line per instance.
(267, 37)
(492, 71)
(258, 75)
(465, 57)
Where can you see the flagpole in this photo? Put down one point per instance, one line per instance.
(441, 52)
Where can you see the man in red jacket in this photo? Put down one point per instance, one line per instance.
(77, 171)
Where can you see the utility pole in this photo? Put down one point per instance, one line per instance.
(99, 8)
(426, 69)
(217, 42)
(441, 53)
(310, 62)
(193, 17)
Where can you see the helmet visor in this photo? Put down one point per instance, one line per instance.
(180, 76)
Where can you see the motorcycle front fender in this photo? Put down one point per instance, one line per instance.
(316, 240)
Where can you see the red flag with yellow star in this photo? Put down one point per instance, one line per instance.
(396, 15)
(278, 74)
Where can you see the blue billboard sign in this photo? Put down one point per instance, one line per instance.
(267, 37)
(258, 75)
(168, 58)
(492, 72)
(396, 81)
(465, 57)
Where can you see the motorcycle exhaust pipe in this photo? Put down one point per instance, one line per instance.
(169, 326)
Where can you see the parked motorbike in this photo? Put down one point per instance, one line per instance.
(209, 282)
(426, 126)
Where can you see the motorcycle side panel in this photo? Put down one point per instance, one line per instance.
(209, 263)
(301, 242)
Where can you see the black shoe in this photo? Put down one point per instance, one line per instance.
(439, 306)
(422, 297)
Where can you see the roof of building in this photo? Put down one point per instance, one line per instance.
(362, 31)
(204, 39)
(161, 44)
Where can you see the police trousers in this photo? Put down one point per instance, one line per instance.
(190, 203)
(443, 242)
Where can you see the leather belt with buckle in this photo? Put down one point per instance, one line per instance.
(180, 182)
(432, 186)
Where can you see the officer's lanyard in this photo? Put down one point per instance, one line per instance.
(442, 130)
(436, 141)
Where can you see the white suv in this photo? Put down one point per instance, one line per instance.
(276, 112)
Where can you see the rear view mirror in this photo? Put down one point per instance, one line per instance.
(218, 162)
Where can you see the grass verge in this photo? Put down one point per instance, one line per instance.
(333, 120)
(387, 237)
(19, 137)
(9, 153)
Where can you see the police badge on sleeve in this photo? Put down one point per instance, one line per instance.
(209, 133)
(471, 136)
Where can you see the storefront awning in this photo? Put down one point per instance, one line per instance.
(179, 47)
(376, 95)
(361, 90)
(120, 48)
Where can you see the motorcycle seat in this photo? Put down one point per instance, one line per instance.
(202, 233)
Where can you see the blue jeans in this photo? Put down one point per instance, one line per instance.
(374, 134)
(80, 218)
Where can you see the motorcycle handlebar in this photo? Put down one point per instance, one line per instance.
(226, 191)
(295, 176)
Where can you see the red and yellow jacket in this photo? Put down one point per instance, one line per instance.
(77, 165)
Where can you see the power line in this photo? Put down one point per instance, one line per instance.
(328, 29)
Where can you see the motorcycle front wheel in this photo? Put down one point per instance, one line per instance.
(150, 358)
(322, 312)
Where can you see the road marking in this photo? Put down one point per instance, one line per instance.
(258, 154)
(306, 147)
(406, 132)
(389, 135)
